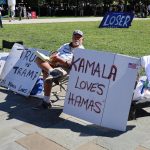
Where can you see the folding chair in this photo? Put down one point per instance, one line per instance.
(59, 88)
(136, 105)
(8, 44)
(62, 83)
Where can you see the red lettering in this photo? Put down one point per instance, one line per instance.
(89, 86)
(87, 104)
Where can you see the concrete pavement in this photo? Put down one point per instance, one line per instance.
(22, 128)
(59, 19)
(53, 20)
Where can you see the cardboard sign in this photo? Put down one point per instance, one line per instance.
(20, 71)
(12, 59)
(3, 58)
(117, 20)
(99, 89)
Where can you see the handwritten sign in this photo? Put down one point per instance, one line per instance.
(20, 71)
(12, 59)
(117, 20)
(99, 89)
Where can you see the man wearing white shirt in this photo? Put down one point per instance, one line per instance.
(58, 66)
(11, 8)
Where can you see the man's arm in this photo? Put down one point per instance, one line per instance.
(55, 59)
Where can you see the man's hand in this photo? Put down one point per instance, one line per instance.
(55, 60)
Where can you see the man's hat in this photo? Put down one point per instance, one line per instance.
(78, 32)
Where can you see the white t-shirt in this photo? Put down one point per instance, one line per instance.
(11, 2)
(66, 51)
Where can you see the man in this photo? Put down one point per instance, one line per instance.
(20, 10)
(58, 66)
(1, 25)
(11, 8)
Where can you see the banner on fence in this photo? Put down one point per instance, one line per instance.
(117, 20)
(99, 89)
(20, 71)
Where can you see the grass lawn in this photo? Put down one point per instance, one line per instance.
(134, 41)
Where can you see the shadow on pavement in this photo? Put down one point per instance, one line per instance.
(142, 113)
(90, 130)
(20, 107)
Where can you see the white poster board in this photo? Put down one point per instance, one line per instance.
(20, 72)
(12, 59)
(100, 87)
(3, 58)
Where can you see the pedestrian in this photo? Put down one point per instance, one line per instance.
(1, 24)
(20, 10)
(148, 8)
(11, 9)
(58, 66)
(29, 13)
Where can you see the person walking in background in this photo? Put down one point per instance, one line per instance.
(1, 24)
(24, 11)
(81, 8)
(58, 66)
(148, 9)
(29, 13)
(11, 9)
(20, 9)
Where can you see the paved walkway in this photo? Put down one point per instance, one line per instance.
(52, 20)
(22, 128)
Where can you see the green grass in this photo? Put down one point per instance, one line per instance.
(134, 41)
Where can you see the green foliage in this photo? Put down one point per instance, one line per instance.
(133, 41)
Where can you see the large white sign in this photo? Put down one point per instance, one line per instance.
(12, 59)
(20, 71)
(100, 87)
(3, 58)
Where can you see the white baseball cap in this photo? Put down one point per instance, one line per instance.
(79, 32)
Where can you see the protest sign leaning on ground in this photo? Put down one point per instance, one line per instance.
(58, 66)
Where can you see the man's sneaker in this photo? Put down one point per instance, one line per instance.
(43, 105)
(56, 73)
